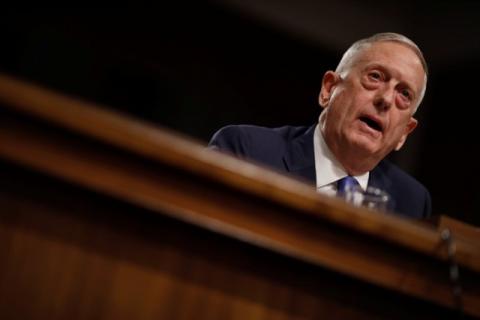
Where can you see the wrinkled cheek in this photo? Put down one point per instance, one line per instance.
(393, 139)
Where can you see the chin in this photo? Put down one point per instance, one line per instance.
(366, 146)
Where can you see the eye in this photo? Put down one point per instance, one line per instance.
(375, 75)
(406, 93)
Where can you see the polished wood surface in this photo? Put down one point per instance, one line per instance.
(460, 229)
(97, 164)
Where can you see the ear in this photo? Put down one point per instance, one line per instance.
(411, 125)
(329, 82)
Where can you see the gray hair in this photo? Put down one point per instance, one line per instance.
(346, 62)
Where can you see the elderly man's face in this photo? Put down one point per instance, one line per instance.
(369, 111)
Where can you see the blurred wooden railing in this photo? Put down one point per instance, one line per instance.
(104, 216)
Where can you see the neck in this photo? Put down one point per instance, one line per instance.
(355, 162)
(356, 167)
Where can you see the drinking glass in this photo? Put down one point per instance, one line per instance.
(371, 198)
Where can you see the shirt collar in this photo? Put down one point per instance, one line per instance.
(327, 168)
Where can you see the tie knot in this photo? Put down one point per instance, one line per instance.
(346, 183)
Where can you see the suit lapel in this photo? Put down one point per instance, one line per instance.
(300, 157)
(379, 179)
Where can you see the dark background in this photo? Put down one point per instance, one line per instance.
(196, 66)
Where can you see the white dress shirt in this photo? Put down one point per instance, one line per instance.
(327, 167)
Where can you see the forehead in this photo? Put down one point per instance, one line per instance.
(397, 58)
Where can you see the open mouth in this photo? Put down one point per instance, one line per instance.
(372, 123)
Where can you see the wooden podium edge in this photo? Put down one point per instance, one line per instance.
(169, 148)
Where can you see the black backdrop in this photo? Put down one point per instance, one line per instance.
(194, 68)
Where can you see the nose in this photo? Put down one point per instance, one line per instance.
(383, 98)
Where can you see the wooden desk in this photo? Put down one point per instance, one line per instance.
(107, 217)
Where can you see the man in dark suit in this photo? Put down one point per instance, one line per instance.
(369, 102)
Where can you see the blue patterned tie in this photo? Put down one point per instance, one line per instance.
(346, 183)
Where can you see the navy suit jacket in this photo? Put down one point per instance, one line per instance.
(290, 150)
